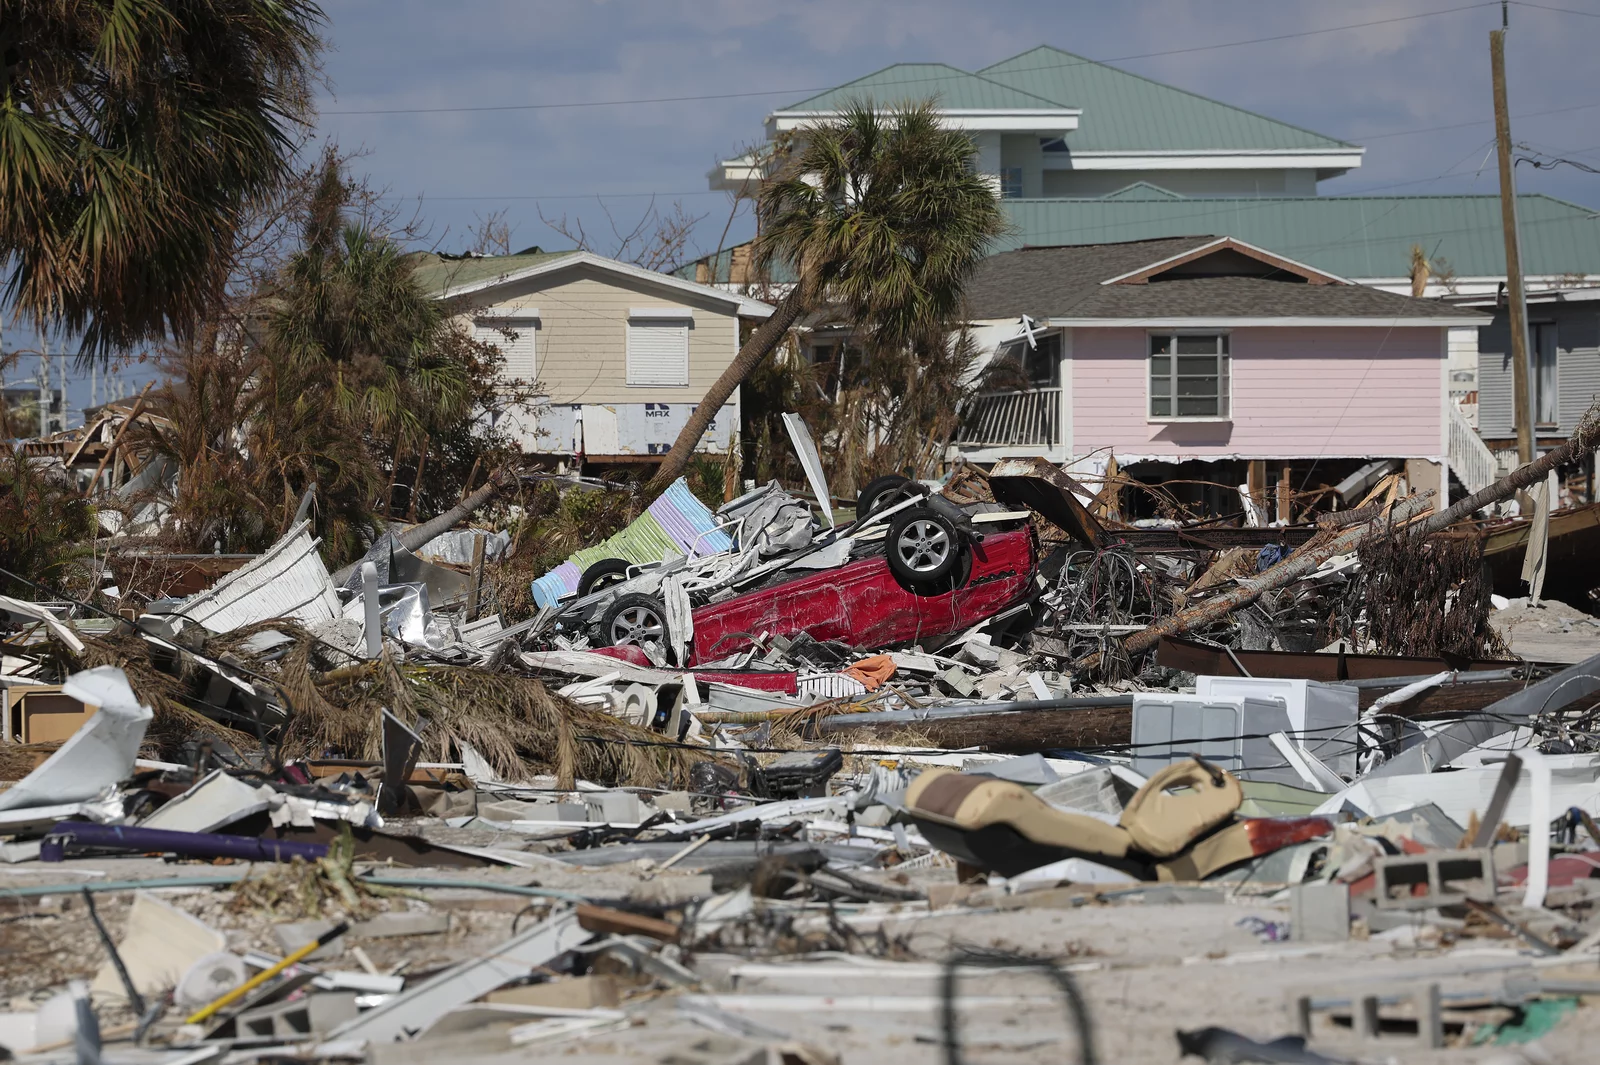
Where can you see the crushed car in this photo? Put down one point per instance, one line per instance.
(912, 567)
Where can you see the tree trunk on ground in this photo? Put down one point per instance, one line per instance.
(418, 535)
(761, 344)
(1313, 554)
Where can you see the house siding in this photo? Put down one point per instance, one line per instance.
(582, 338)
(1297, 393)
(1577, 368)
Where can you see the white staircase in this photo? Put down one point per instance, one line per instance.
(1470, 458)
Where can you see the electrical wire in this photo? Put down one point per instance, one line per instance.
(930, 80)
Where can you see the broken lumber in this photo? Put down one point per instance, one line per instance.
(1306, 559)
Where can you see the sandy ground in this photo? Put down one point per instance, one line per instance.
(1550, 632)
(1145, 969)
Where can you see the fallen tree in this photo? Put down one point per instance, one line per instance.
(1304, 562)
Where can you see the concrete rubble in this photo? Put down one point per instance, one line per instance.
(976, 771)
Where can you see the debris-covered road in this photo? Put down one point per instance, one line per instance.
(978, 773)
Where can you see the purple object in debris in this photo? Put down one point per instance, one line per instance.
(87, 834)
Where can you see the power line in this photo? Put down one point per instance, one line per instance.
(790, 92)
(1562, 10)
(1478, 122)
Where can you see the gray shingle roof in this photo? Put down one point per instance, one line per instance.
(1066, 282)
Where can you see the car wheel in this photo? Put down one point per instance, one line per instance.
(884, 492)
(635, 619)
(603, 574)
(923, 545)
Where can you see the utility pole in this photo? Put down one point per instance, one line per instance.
(1521, 377)
(45, 404)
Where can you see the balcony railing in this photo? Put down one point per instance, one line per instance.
(1012, 419)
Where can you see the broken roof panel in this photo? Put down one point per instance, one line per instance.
(288, 580)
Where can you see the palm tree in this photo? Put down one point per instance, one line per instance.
(133, 138)
(882, 216)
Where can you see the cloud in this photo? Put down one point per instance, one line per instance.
(1378, 79)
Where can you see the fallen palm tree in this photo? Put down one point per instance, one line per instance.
(1306, 559)
(515, 723)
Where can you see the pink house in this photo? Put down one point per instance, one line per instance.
(1208, 360)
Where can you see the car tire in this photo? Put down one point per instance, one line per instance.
(923, 546)
(635, 619)
(603, 574)
(885, 491)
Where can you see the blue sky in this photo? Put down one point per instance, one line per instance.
(1360, 84)
(1370, 85)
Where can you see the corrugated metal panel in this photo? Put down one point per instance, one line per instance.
(674, 523)
(906, 82)
(1353, 236)
(288, 580)
(1123, 111)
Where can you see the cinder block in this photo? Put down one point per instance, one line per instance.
(1366, 1005)
(1447, 877)
(290, 1022)
(614, 806)
(1319, 913)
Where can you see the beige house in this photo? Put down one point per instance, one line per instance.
(622, 354)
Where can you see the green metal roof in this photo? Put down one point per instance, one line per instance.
(909, 82)
(438, 275)
(1352, 236)
(1126, 112)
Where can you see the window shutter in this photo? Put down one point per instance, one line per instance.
(519, 353)
(658, 352)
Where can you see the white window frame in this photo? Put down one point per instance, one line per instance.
(681, 318)
(1149, 395)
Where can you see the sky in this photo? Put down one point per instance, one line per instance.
(577, 154)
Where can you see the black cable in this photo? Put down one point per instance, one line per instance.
(135, 999)
(970, 958)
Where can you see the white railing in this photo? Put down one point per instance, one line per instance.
(1013, 419)
(1470, 457)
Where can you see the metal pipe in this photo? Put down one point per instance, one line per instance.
(53, 848)
(1459, 677)
(228, 879)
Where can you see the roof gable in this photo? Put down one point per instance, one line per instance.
(493, 271)
(1129, 112)
(1142, 190)
(1225, 257)
(909, 82)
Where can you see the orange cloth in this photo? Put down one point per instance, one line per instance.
(871, 671)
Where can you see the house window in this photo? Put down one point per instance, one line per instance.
(1011, 183)
(1189, 375)
(1019, 364)
(517, 340)
(1546, 380)
(658, 351)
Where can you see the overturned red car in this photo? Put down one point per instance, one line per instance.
(913, 568)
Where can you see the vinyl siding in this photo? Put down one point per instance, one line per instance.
(1577, 368)
(582, 339)
(1297, 393)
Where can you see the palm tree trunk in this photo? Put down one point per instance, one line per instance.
(418, 535)
(757, 348)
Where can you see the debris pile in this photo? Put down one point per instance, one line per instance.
(759, 782)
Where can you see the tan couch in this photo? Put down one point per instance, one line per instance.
(998, 825)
